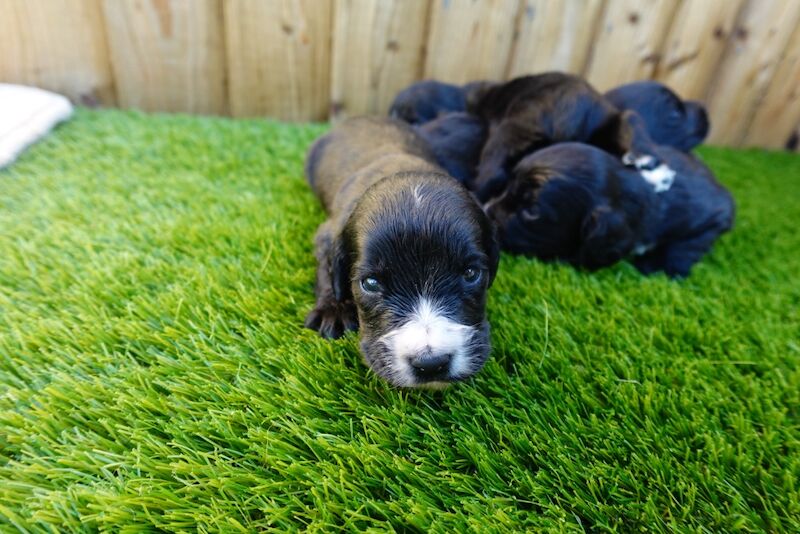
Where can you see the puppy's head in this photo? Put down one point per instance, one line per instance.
(424, 101)
(417, 257)
(536, 214)
(670, 120)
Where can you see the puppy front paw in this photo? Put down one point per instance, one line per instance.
(332, 319)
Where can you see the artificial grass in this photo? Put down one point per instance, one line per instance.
(154, 374)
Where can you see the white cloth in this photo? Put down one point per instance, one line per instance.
(26, 115)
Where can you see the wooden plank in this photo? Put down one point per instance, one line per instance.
(696, 42)
(279, 54)
(167, 55)
(470, 40)
(58, 45)
(629, 42)
(778, 114)
(554, 36)
(378, 49)
(762, 32)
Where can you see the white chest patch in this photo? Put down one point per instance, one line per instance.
(661, 178)
(429, 330)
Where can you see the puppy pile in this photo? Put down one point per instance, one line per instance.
(420, 204)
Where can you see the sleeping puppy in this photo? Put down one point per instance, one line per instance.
(681, 124)
(532, 112)
(406, 256)
(574, 203)
(456, 140)
(424, 101)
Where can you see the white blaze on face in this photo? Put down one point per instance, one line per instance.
(429, 330)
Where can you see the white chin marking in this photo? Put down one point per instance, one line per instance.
(660, 178)
(427, 329)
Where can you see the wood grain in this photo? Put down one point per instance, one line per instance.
(167, 55)
(58, 45)
(629, 42)
(470, 40)
(554, 36)
(377, 51)
(778, 115)
(759, 40)
(696, 44)
(279, 56)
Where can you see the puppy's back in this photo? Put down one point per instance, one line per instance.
(456, 140)
(696, 199)
(357, 144)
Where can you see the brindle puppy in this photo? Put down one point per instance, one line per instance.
(533, 112)
(406, 255)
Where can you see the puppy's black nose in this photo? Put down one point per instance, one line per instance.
(431, 366)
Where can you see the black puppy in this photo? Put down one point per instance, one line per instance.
(575, 203)
(532, 112)
(456, 140)
(407, 254)
(424, 101)
(670, 121)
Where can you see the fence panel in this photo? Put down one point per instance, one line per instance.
(378, 49)
(279, 56)
(318, 59)
(779, 113)
(167, 54)
(470, 40)
(628, 45)
(555, 36)
(757, 44)
(58, 45)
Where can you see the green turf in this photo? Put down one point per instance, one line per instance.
(154, 274)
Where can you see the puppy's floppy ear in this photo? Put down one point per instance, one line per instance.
(341, 266)
(525, 184)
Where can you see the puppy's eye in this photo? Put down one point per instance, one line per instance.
(471, 275)
(371, 285)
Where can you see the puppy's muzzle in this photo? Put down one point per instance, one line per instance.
(430, 347)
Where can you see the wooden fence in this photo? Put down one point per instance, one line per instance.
(318, 59)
